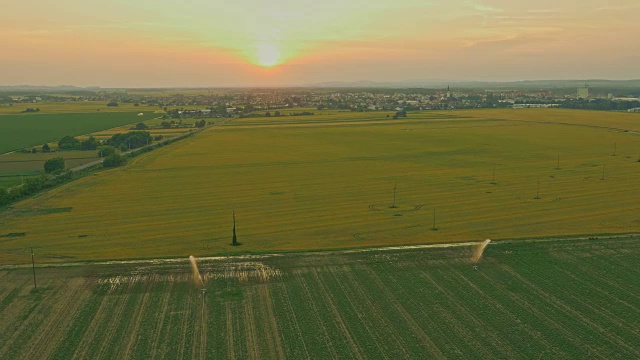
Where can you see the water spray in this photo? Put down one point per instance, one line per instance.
(197, 277)
(478, 250)
(198, 280)
(196, 273)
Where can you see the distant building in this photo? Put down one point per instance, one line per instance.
(527, 106)
(448, 92)
(583, 92)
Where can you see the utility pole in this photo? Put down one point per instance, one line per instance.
(228, 276)
(204, 290)
(558, 166)
(234, 240)
(493, 178)
(434, 219)
(538, 191)
(603, 165)
(33, 265)
(615, 146)
(394, 195)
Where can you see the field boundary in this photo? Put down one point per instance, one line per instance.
(89, 168)
(168, 260)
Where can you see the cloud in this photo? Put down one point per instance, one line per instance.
(482, 7)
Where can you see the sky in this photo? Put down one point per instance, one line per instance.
(215, 43)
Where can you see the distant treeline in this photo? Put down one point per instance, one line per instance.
(600, 104)
(34, 185)
(43, 182)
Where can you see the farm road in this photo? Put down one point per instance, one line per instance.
(328, 252)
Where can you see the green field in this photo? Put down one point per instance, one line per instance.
(329, 185)
(25, 130)
(74, 107)
(16, 166)
(563, 299)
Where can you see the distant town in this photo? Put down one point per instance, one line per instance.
(206, 103)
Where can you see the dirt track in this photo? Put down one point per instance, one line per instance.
(315, 253)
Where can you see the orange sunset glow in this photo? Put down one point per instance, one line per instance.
(241, 43)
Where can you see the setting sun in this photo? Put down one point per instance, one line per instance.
(267, 55)
(196, 44)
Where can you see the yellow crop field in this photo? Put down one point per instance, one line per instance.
(327, 181)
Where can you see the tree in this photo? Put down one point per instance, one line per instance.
(114, 160)
(130, 140)
(113, 103)
(267, 114)
(165, 125)
(46, 148)
(201, 123)
(54, 165)
(68, 143)
(4, 196)
(277, 113)
(106, 151)
(89, 144)
(141, 126)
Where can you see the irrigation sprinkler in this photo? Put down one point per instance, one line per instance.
(615, 145)
(558, 164)
(603, 166)
(538, 191)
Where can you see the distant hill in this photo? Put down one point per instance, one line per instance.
(366, 84)
(526, 84)
(38, 88)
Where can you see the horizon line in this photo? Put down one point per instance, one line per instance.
(337, 84)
